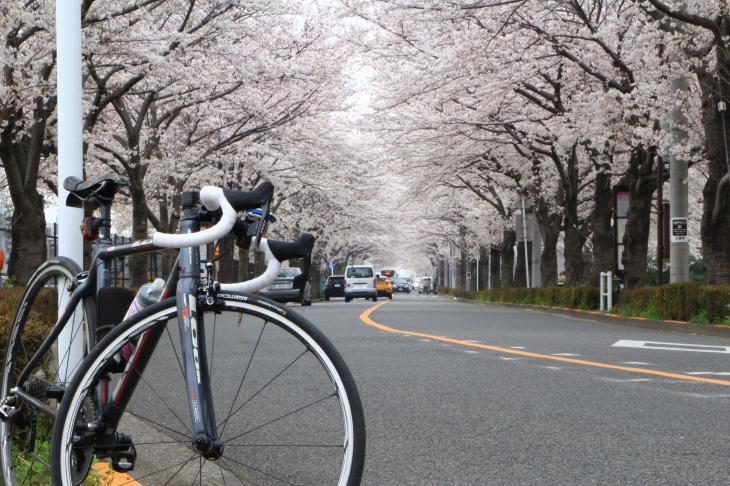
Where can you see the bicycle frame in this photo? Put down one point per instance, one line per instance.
(87, 286)
(193, 350)
(192, 340)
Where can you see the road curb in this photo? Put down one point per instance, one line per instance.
(657, 324)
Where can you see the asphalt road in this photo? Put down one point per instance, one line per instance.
(458, 393)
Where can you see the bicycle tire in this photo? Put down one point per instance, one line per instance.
(295, 408)
(35, 315)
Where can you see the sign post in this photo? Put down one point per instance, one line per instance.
(680, 230)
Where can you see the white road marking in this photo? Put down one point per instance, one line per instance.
(472, 352)
(473, 342)
(636, 363)
(697, 348)
(517, 347)
(565, 354)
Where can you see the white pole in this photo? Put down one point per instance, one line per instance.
(524, 232)
(489, 268)
(70, 148)
(478, 253)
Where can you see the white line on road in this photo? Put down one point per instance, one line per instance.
(636, 363)
(565, 354)
(698, 348)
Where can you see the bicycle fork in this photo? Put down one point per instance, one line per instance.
(192, 341)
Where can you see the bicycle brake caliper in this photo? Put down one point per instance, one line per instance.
(211, 286)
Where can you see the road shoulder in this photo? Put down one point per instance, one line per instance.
(673, 326)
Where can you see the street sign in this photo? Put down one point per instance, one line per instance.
(680, 233)
(622, 203)
(332, 265)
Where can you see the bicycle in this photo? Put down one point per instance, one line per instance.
(35, 368)
(293, 415)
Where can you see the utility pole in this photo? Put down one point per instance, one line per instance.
(70, 152)
(660, 221)
(678, 194)
(524, 232)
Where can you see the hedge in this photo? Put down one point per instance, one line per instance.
(689, 301)
(40, 325)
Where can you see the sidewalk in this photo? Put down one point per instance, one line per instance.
(673, 326)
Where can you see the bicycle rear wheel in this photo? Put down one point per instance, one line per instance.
(25, 441)
(286, 406)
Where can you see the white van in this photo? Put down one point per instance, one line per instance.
(360, 283)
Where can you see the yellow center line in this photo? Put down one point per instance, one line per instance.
(365, 317)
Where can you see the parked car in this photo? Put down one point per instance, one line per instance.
(360, 283)
(384, 287)
(402, 285)
(286, 288)
(334, 286)
(416, 284)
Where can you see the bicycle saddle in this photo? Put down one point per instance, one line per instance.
(100, 190)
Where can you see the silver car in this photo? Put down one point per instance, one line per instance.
(286, 288)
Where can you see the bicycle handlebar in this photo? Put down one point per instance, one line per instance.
(213, 198)
(262, 281)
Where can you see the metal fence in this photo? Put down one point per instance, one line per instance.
(119, 267)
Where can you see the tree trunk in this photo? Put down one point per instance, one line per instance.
(602, 238)
(496, 280)
(574, 241)
(138, 264)
(225, 262)
(550, 231)
(641, 180)
(20, 156)
(29, 239)
(520, 277)
(715, 227)
(507, 258)
(244, 257)
(483, 271)
(574, 227)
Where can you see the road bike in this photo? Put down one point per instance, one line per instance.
(248, 393)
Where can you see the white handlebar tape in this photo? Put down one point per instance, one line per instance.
(262, 281)
(213, 199)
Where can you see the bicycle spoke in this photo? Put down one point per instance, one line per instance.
(263, 388)
(150, 421)
(174, 349)
(164, 402)
(243, 378)
(247, 466)
(280, 418)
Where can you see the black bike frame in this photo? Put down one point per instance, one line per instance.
(89, 284)
(192, 340)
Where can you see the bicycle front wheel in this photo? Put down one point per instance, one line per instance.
(26, 439)
(286, 406)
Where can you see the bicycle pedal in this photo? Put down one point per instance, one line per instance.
(124, 461)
